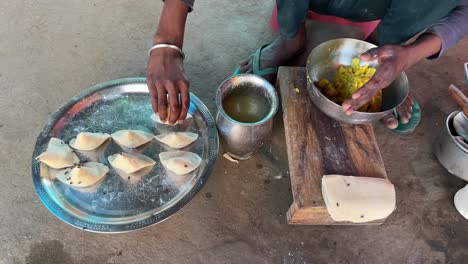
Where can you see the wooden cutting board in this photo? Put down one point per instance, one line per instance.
(318, 145)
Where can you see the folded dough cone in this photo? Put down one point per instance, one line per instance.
(177, 139)
(58, 155)
(88, 141)
(132, 138)
(155, 117)
(130, 163)
(83, 175)
(358, 199)
(180, 162)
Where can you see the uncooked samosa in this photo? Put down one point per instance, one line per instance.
(155, 118)
(177, 139)
(130, 163)
(58, 155)
(88, 141)
(180, 162)
(132, 138)
(83, 175)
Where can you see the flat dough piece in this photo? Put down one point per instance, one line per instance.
(83, 175)
(155, 118)
(130, 163)
(461, 201)
(180, 162)
(177, 139)
(132, 138)
(358, 199)
(58, 155)
(88, 141)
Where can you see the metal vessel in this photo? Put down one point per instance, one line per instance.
(451, 150)
(241, 140)
(120, 204)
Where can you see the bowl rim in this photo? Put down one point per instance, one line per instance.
(273, 107)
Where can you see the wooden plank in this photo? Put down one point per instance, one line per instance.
(318, 145)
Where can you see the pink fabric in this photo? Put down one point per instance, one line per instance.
(366, 27)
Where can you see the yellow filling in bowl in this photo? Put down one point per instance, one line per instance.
(349, 79)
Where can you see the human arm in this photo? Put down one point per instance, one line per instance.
(394, 59)
(165, 74)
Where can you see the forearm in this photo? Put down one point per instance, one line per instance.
(172, 23)
(423, 47)
(451, 28)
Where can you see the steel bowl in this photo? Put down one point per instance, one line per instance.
(451, 150)
(323, 62)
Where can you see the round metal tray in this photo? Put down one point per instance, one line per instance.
(118, 204)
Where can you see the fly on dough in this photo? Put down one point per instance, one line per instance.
(83, 175)
(358, 199)
(180, 162)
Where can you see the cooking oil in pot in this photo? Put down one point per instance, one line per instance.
(246, 108)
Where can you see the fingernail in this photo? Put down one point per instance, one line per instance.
(355, 96)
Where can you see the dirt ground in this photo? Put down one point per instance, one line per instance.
(52, 50)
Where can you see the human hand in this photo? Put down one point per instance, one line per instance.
(393, 59)
(166, 79)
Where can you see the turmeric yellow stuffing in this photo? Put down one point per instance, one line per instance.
(349, 79)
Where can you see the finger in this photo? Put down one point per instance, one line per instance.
(162, 102)
(372, 86)
(174, 104)
(390, 121)
(370, 55)
(351, 105)
(244, 68)
(363, 95)
(410, 100)
(247, 67)
(408, 110)
(153, 94)
(402, 114)
(184, 99)
(245, 62)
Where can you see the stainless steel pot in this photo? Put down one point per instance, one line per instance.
(242, 140)
(323, 62)
(452, 151)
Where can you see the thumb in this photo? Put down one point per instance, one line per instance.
(371, 54)
(379, 52)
